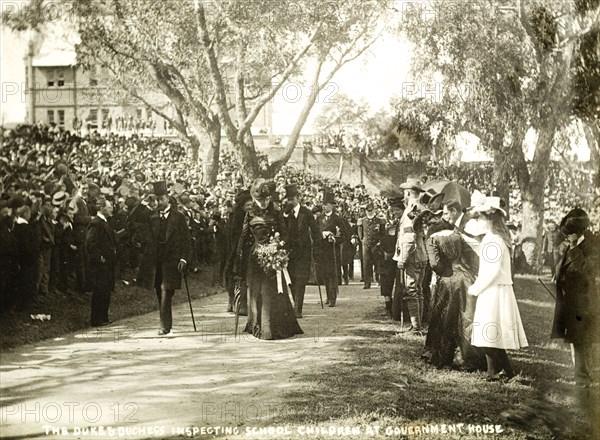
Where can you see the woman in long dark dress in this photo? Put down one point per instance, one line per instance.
(270, 314)
(448, 329)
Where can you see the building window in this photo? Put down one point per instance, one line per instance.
(61, 118)
(50, 77)
(93, 76)
(139, 113)
(61, 78)
(104, 118)
(50, 116)
(93, 116)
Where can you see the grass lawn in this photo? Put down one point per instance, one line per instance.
(70, 314)
(378, 379)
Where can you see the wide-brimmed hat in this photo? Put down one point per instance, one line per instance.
(260, 189)
(427, 196)
(491, 204)
(412, 183)
(477, 199)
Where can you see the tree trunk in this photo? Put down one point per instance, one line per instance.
(502, 176)
(532, 195)
(249, 166)
(210, 158)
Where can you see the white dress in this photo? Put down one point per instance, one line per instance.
(497, 322)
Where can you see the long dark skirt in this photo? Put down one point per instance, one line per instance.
(449, 325)
(270, 314)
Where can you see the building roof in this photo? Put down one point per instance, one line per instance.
(55, 58)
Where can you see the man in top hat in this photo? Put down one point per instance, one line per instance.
(370, 231)
(410, 255)
(102, 256)
(302, 232)
(577, 312)
(327, 249)
(166, 254)
(243, 205)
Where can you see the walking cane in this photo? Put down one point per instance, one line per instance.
(403, 286)
(189, 298)
(546, 287)
(236, 306)
(317, 280)
(337, 290)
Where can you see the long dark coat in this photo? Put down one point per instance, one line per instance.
(300, 248)
(323, 252)
(577, 312)
(177, 247)
(347, 249)
(451, 311)
(101, 242)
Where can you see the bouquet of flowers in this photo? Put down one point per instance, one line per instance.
(273, 259)
(271, 256)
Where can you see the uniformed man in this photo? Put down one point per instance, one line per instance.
(371, 229)
(388, 246)
(411, 256)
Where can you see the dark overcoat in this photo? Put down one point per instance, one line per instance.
(300, 243)
(177, 247)
(577, 312)
(101, 244)
(323, 252)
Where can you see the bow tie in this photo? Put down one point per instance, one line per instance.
(163, 215)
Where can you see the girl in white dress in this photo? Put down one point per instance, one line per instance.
(497, 324)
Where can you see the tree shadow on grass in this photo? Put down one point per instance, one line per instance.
(379, 377)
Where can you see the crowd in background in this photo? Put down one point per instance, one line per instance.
(47, 173)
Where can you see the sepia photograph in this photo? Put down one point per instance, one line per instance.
(300, 219)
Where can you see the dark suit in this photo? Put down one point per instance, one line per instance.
(325, 260)
(101, 256)
(169, 242)
(302, 232)
(81, 220)
(27, 247)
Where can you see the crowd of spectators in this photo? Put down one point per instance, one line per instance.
(47, 174)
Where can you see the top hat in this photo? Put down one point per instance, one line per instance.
(291, 191)
(413, 183)
(160, 188)
(575, 222)
(328, 196)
